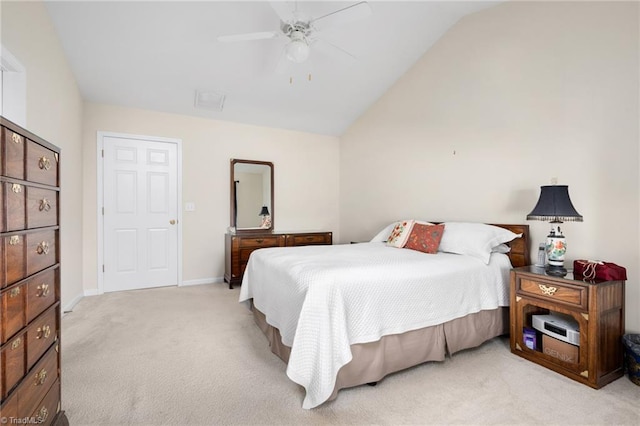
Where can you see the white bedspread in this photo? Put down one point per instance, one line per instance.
(325, 298)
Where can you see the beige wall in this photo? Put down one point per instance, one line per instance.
(508, 99)
(54, 112)
(306, 173)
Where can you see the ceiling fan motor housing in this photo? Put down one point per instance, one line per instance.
(298, 48)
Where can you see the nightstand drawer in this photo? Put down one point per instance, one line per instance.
(555, 292)
(258, 242)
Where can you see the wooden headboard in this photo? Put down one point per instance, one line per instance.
(519, 253)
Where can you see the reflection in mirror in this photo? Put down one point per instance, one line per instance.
(251, 195)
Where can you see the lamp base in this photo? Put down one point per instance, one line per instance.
(558, 271)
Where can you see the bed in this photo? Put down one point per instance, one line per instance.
(346, 315)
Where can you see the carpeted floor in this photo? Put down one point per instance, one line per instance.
(193, 356)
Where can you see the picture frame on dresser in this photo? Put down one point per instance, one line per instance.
(30, 313)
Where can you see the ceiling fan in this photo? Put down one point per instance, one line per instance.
(301, 32)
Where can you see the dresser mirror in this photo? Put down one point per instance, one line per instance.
(251, 196)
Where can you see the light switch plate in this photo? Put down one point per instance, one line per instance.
(190, 207)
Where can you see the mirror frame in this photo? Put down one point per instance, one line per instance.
(232, 208)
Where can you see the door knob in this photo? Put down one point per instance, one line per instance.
(172, 221)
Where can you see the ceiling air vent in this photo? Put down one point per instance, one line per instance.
(208, 100)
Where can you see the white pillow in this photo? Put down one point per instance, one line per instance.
(383, 235)
(474, 239)
(501, 248)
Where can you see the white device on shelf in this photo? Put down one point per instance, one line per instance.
(562, 327)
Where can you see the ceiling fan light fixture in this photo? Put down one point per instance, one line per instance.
(298, 49)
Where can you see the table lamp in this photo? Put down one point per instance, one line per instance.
(554, 205)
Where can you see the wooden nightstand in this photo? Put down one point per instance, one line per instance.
(598, 308)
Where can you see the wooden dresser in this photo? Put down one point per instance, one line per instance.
(238, 247)
(29, 278)
(596, 306)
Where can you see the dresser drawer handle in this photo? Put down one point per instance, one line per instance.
(17, 188)
(43, 332)
(14, 292)
(43, 248)
(43, 414)
(14, 240)
(43, 290)
(259, 240)
(16, 138)
(549, 291)
(309, 238)
(41, 377)
(44, 163)
(44, 205)
(16, 344)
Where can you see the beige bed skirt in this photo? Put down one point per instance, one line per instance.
(372, 361)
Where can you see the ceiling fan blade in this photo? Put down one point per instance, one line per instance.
(328, 43)
(342, 16)
(284, 9)
(249, 36)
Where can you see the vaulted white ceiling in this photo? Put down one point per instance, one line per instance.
(155, 55)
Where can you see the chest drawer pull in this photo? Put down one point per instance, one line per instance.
(43, 248)
(44, 163)
(17, 188)
(43, 414)
(549, 291)
(43, 332)
(14, 240)
(41, 377)
(16, 138)
(43, 290)
(14, 292)
(259, 240)
(44, 205)
(16, 344)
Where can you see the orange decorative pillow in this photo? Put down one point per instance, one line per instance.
(425, 238)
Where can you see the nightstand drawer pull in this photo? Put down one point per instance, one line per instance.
(259, 241)
(16, 138)
(549, 291)
(17, 188)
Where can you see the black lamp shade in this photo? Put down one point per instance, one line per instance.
(264, 211)
(554, 205)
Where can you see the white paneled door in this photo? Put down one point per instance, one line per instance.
(140, 213)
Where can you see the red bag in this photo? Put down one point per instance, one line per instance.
(597, 270)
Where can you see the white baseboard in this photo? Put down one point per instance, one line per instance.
(201, 281)
(94, 291)
(69, 306)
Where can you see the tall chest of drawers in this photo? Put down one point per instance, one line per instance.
(29, 278)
